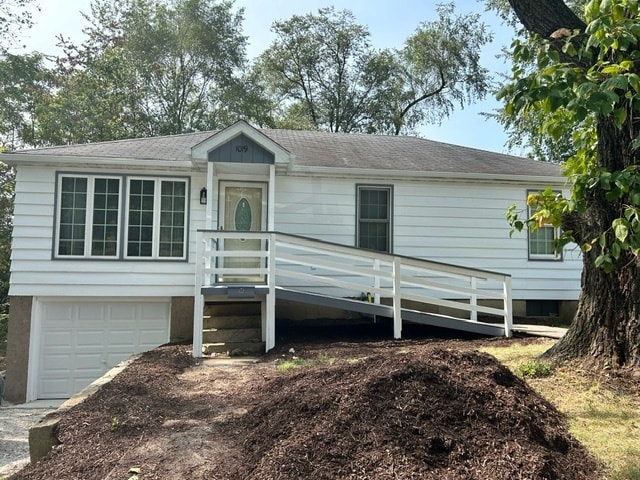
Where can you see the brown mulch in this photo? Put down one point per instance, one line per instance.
(369, 409)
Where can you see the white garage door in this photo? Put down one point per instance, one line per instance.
(80, 341)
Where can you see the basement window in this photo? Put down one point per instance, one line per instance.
(542, 308)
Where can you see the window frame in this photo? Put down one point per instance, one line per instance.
(122, 216)
(544, 257)
(156, 222)
(90, 212)
(388, 221)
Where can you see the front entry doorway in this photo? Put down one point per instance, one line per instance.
(243, 208)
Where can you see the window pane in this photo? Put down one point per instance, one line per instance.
(541, 241)
(172, 216)
(374, 204)
(106, 196)
(73, 206)
(140, 228)
(373, 236)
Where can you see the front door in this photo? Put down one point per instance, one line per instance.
(243, 207)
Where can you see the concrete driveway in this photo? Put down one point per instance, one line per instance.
(15, 421)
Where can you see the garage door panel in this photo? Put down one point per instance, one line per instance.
(90, 338)
(87, 360)
(80, 341)
(153, 337)
(58, 363)
(90, 311)
(117, 357)
(57, 387)
(58, 311)
(124, 312)
(54, 339)
(123, 338)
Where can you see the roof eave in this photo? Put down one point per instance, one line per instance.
(427, 175)
(18, 159)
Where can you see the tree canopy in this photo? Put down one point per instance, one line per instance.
(15, 15)
(145, 68)
(323, 71)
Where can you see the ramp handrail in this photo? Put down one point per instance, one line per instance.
(282, 260)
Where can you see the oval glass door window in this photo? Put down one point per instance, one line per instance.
(243, 216)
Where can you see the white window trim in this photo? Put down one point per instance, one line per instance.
(88, 235)
(389, 189)
(157, 193)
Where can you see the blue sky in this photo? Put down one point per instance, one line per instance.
(389, 22)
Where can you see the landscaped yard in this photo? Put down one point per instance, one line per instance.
(331, 404)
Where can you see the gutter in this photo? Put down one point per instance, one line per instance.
(18, 159)
(341, 172)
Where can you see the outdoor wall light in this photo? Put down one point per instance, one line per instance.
(203, 196)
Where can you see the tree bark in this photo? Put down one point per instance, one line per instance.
(606, 328)
(546, 16)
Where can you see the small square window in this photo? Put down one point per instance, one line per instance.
(541, 242)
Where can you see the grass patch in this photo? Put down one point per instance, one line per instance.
(605, 420)
(297, 362)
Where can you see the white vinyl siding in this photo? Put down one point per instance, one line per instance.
(446, 221)
(34, 273)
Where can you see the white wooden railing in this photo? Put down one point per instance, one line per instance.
(277, 260)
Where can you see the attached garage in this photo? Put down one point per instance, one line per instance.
(78, 341)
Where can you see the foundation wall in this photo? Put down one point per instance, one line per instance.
(18, 349)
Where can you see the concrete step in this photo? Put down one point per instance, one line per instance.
(235, 349)
(226, 335)
(232, 309)
(231, 321)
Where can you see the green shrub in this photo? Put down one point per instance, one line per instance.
(536, 369)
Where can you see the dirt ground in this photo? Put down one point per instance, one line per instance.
(368, 408)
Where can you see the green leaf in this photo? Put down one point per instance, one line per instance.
(620, 116)
(615, 251)
(602, 240)
(600, 102)
(621, 229)
(619, 82)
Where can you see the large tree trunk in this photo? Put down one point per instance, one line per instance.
(606, 328)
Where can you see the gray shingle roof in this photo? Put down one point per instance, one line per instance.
(332, 150)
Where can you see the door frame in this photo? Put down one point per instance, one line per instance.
(264, 209)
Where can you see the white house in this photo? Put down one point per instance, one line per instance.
(120, 246)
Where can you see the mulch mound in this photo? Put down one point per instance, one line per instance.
(409, 411)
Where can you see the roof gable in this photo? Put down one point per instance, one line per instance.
(240, 143)
(241, 149)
